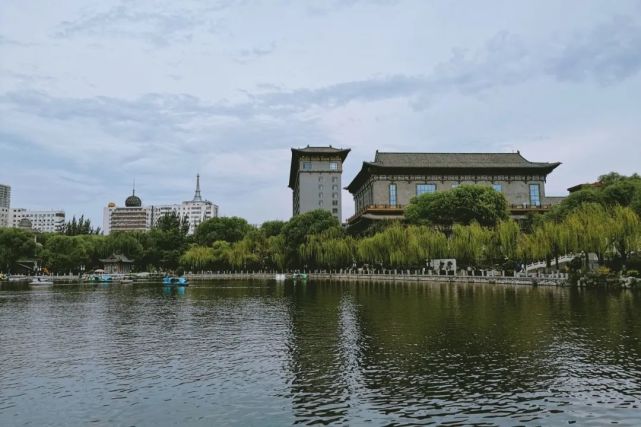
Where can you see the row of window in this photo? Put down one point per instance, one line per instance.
(334, 187)
(334, 203)
(535, 192)
(334, 195)
(307, 166)
(321, 178)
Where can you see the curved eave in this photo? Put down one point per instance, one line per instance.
(297, 153)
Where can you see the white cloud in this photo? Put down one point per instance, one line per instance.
(98, 93)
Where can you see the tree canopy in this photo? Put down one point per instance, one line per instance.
(229, 229)
(462, 205)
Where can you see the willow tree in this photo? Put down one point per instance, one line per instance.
(198, 257)
(426, 243)
(220, 250)
(388, 247)
(504, 240)
(245, 254)
(330, 248)
(554, 239)
(624, 231)
(275, 251)
(469, 243)
(588, 227)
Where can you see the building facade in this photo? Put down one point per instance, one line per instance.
(5, 205)
(131, 217)
(383, 188)
(45, 221)
(315, 178)
(195, 210)
(135, 217)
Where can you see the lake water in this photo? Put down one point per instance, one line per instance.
(254, 353)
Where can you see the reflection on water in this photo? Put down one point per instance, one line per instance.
(325, 353)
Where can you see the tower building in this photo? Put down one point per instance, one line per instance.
(5, 205)
(315, 178)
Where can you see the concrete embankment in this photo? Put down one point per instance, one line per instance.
(543, 280)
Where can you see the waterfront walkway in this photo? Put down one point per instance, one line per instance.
(553, 279)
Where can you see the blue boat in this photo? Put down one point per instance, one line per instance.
(102, 278)
(175, 281)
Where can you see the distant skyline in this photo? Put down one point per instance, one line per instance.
(96, 93)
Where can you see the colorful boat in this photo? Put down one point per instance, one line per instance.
(175, 281)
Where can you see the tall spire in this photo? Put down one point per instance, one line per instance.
(197, 197)
(133, 193)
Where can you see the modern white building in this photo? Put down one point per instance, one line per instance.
(195, 211)
(47, 221)
(5, 205)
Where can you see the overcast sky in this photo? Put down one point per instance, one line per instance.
(96, 93)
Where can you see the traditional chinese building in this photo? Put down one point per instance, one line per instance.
(384, 187)
(117, 264)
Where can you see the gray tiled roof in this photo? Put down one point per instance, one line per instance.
(116, 258)
(311, 151)
(329, 149)
(454, 160)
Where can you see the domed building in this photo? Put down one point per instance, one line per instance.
(131, 217)
(136, 217)
(133, 201)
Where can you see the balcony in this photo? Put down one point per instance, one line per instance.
(524, 208)
(378, 212)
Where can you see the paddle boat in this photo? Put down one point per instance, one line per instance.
(175, 281)
(101, 278)
(300, 276)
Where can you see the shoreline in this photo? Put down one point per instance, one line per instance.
(548, 280)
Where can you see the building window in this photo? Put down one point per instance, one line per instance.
(497, 187)
(320, 195)
(335, 202)
(334, 179)
(320, 203)
(333, 166)
(307, 166)
(392, 194)
(334, 210)
(335, 195)
(320, 187)
(320, 178)
(425, 189)
(335, 187)
(535, 195)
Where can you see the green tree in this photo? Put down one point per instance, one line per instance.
(272, 228)
(79, 227)
(297, 229)
(198, 258)
(123, 243)
(462, 205)
(14, 245)
(229, 229)
(588, 226)
(64, 254)
(625, 231)
(504, 240)
(328, 249)
(167, 241)
(469, 243)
